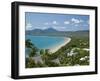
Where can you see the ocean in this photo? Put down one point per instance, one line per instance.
(45, 42)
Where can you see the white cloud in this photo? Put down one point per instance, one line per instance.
(42, 28)
(46, 23)
(55, 22)
(76, 20)
(29, 26)
(66, 22)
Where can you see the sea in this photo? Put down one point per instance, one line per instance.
(45, 42)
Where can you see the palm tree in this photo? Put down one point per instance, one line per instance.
(33, 51)
(42, 51)
(32, 47)
(28, 43)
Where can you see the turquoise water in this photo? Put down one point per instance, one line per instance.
(45, 42)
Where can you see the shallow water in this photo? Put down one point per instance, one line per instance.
(45, 42)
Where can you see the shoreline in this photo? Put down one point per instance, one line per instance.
(56, 48)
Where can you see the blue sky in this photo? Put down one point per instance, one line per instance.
(60, 22)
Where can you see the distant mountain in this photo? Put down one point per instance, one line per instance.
(36, 30)
(33, 31)
(82, 31)
(50, 30)
(54, 32)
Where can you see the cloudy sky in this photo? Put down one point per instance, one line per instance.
(60, 22)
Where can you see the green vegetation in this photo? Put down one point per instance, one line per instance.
(31, 47)
(42, 51)
(72, 54)
(30, 63)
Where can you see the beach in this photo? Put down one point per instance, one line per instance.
(57, 47)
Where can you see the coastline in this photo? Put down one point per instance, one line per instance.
(57, 47)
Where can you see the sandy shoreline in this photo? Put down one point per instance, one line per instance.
(57, 47)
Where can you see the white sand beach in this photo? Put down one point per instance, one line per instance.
(57, 47)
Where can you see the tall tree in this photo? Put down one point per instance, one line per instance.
(28, 43)
(42, 51)
(33, 51)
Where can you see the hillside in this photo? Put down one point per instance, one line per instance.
(53, 32)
